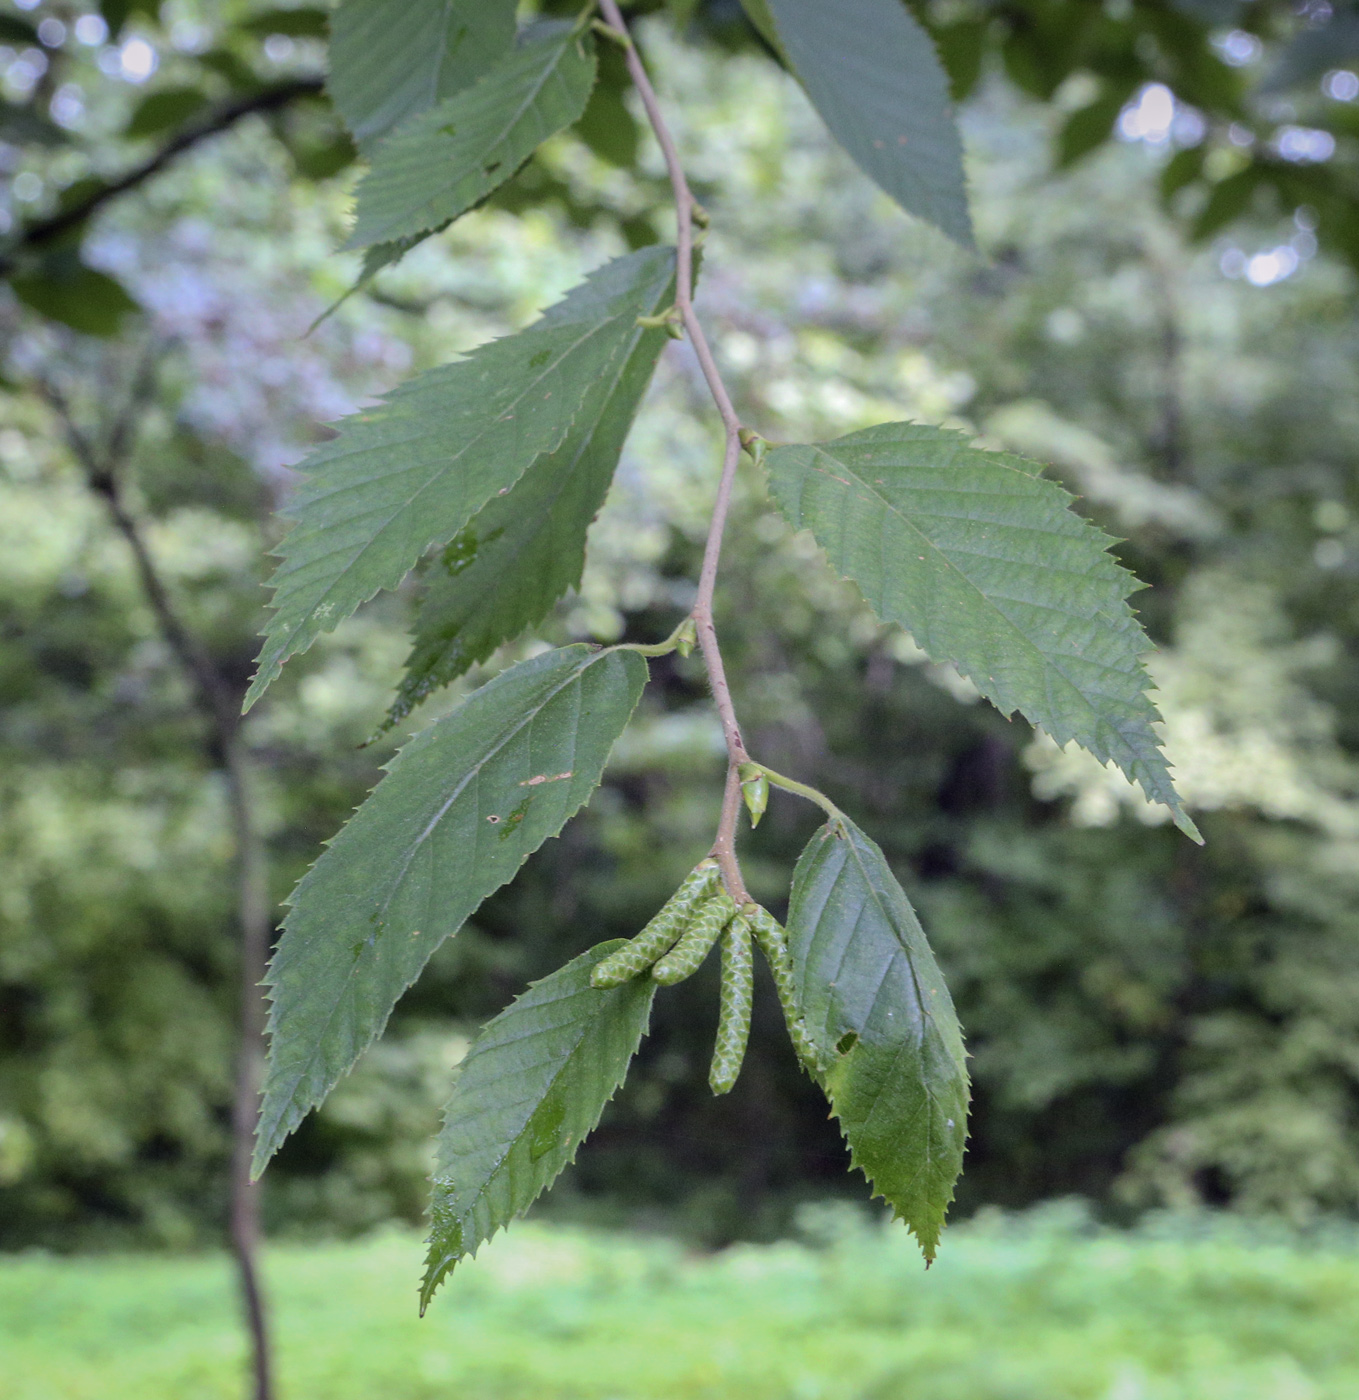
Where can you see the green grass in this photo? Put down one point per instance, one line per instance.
(1013, 1311)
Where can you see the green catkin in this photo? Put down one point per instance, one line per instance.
(659, 936)
(773, 941)
(738, 992)
(705, 928)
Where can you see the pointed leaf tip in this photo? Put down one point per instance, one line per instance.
(868, 984)
(872, 73)
(533, 1086)
(413, 471)
(982, 560)
(514, 559)
(455, 816)
(441, 162)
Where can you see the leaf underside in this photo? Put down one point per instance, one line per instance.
(459, 810)
(390, 59)
(510, 564)
(438, 164)
(867, 984)
(413, 471)
(533, 1085)
(982, 561)
(872, 73)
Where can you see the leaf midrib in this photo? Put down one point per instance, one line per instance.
(905, 1047)
(440, 476)
(954, 569)
(905, 952)
(343, 989)
(931, 1152)
(591, 1021)
(553, 498)
(468, 167)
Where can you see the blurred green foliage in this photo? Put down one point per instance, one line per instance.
(1039, 1307)
(1150, 1023)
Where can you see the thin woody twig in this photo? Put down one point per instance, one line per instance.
(100, 468)
(47, 231)
(102, 465)
(724, 847)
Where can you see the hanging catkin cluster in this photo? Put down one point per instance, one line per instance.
(674, 944)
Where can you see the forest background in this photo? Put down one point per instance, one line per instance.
(1164, 311)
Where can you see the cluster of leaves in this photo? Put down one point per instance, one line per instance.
(1119, 992)
(1250, 70)
(497, 463)
(1240, 165)
(208, 91)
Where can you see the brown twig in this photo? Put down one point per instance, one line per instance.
(220, 707)
(724, 847)
(222, 118)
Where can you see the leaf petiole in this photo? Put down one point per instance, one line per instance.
(680, 640)
(801, 789)
(607, 31)
(668, 321)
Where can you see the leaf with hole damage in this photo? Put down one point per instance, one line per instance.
(390, 59)
(532, 1087)
(872, 73)
(512, 562)
(461, 808)
(413, 471)
(982, 560)
(869, 989)
(440, 163)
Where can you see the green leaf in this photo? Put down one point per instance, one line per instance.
(413, 471)
(1228, 199)
(504, 570)
(869, 986)
(437, 165)
(18, 32)
(460, 809)
(390, 59)
(231, 68)
(607, 125)
(116, 13)
(872, 73)
(297, 22)
(319, 160)
(66, 290)
(1182, 169)
(1091, 126)
(24, 124)
(533, 1085)
(982, 561)
(962, 47)
(159, 111)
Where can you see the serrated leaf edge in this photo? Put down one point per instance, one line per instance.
(1163, 793)
(267, 1145)
(836, 829)
(431, 1281)
(564, 43)
(273, 658)
(410, 696)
